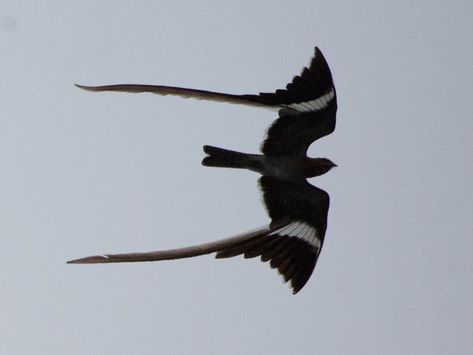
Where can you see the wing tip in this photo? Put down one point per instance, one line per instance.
(94, 259)
(87, 88)
(295, 290)
(317, 52)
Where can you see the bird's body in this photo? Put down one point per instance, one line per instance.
(282, 167)
(298, 210)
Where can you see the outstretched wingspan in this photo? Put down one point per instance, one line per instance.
(298, 210)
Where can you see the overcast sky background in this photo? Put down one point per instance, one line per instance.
(85, 173)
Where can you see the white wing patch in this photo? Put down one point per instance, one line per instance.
(314, 105)
(302, 231)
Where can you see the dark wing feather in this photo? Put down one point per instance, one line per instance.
(285, 200)
(312, 83)
(309, 107)
(248, 100)
(293, 134)
(291, 243)
(294, 247)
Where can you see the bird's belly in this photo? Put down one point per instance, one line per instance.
(283, 168)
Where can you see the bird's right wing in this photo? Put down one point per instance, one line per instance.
(303, 94)
(309, 107)
(248, 100)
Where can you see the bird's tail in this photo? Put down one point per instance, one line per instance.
(224, 158)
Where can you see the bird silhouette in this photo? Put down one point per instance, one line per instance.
(298, 210)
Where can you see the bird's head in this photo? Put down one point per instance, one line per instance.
(318, 166)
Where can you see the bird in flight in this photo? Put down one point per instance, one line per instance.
(298, 210)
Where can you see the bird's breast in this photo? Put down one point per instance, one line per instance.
(289, 168)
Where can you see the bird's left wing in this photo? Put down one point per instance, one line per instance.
(180, 253)
(293, 248)
(292, 242)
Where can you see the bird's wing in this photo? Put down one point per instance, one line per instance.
(293, 248)
(248, 100)
(292, 242)
(305, 92)
(181, 253)
(309, 107)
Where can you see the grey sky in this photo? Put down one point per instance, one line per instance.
(85, 173)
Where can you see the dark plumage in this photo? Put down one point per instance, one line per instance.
(298, 210)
